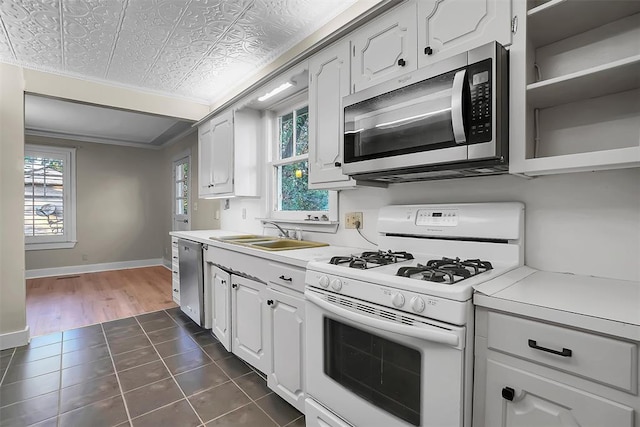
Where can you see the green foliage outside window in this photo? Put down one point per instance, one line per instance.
(293, 177)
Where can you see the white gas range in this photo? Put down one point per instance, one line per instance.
(389, 337)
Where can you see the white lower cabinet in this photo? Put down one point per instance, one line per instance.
(531, 372)
(285, 322)
(249, 331)
(317, 415)
(518, 398)
(221, 306)
(175, 271)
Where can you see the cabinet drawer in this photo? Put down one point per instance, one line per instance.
(288, 276)
(605, 360)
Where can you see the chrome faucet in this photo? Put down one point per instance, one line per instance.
(283, 232)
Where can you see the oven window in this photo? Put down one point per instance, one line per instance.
(383, 372)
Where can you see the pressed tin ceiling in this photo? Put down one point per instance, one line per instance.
(195, 49)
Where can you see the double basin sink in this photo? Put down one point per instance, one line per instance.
(269, 243)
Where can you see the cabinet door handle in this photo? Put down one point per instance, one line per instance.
(402, 62)
(337, 164)
(428, 50)
(175, 290)
(175, 257)
(564, 353)
(234, 286)
(508, 393)
(175, 272)
(224, 282)
(286, 279)
(269, 302)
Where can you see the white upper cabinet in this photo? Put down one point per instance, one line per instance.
(205, 166)
(385, 47)
(574, 86)
(229, 155)
(450, 27)
(222, 156)
(329, 81)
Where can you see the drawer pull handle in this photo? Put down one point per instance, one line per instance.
(286, 279)
(508, 393)
(564, 353)
(402, 62)
(234, 286)
(269, 302)
(175, 290)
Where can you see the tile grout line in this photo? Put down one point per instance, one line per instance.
(8, 366)
(115, 371)
(253, 369)
(168, 370)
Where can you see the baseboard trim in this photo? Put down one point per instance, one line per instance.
(14, 339)
(166, 263)
(91, 268)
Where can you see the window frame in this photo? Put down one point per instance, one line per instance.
(67, 239)
(284, 107)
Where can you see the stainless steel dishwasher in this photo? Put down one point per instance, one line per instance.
(192, 292)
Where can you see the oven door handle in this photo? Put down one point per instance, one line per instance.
(457, 99)
(429, 334)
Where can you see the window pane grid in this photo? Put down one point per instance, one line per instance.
(44, 196)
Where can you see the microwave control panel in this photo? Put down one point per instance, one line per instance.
(480, 120)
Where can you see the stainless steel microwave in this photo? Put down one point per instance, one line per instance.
(447, 120)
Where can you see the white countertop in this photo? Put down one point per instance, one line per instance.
(605, 305)
(297, 257)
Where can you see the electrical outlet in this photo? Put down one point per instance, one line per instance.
(350, 219)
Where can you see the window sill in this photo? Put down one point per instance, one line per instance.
(46, 246)
(330, 227)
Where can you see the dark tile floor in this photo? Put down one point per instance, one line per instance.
(156, 369)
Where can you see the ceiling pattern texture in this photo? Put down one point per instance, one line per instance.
(196, 49)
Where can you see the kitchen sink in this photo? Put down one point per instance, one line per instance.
(285, 244)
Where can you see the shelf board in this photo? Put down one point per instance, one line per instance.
(614, 77)
(558, 19)
(582, 162)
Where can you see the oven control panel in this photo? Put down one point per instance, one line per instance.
(428, 306)
(437, 218)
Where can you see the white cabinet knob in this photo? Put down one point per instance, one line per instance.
(323, 281)
(336, 284)
(397, 299)
(417, 304)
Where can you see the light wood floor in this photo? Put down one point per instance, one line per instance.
(65, 302)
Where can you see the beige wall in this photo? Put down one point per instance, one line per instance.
(203, 211)
(120, 199)
(14, 81)
(12, 290)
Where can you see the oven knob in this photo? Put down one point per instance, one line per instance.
(323, 281)
(336, 284)
(417, 304)
(398, 300)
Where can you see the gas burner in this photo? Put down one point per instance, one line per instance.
(370, 259)
(446, 270)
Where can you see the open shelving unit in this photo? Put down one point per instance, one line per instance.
(575, 87)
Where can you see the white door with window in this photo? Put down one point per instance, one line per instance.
(182, 193)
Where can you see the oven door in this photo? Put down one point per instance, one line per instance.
(374, 366)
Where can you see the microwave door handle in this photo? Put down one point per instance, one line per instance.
(457, 95)
(426, 333)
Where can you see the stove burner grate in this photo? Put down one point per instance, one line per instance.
(370, 259)
(446, 270)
